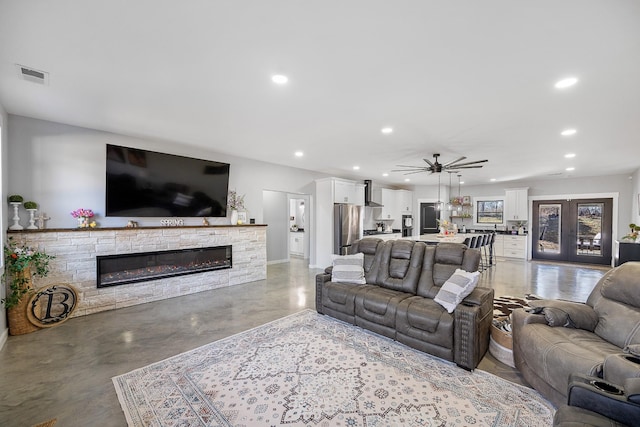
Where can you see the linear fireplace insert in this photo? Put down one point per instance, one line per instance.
(121, 269)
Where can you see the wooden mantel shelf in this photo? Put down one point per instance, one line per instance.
(55, 230)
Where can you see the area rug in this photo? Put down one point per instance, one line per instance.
(503, 306)
(311, 370)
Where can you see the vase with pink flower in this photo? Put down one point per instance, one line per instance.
(84, 218)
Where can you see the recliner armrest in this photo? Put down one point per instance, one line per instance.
(602, 397)
(569, 314)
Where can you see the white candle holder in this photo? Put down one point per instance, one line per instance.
(16, 219)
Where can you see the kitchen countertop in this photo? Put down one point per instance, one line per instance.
(368, 233)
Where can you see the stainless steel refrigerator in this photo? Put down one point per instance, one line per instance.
(347, 227)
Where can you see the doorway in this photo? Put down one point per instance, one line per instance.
(429, 217)
(572, 230)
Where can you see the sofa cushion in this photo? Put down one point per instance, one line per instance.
(456, 288)
(348, 269)
(400, 265)
(622, 284)
(370, 247)
(424, 319)
(566, 314)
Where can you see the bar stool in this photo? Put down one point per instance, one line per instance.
(478, 245)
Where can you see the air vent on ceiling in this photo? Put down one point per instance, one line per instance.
(33, 75)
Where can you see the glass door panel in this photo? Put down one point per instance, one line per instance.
(549, 220)
(589, 228)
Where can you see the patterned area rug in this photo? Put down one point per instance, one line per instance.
(311, 370)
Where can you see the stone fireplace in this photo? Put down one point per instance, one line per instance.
(76, 253)
(115, 270)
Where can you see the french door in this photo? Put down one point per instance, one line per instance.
(572, 230)
(429, 217)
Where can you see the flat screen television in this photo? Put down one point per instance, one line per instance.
(142, 183)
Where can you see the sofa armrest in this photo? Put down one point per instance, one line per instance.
(604, 398)
(479, 296)
(566, 314)
(321, 279)
(472, 326)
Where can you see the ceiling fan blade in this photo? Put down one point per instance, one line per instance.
(410, 173)
(455, 161)
(469, 167)
(429, 163)
(469, 163)
(411, 166)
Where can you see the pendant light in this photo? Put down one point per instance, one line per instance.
(459, 208)
(449, 204)
(439, 203)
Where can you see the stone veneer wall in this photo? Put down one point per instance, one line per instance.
(76, 249)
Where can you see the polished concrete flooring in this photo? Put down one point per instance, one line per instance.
(65, 372)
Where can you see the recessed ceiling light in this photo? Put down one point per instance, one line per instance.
(356, 168)
(492, 179)
(299, 154)
(407, 180)
(385, 174)
(279, 79)
(568, 132)
(569, 155)
(570, 169)
(461, 182)
(565, 83)
(387, 130)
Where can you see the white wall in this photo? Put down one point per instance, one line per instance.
(276, 215)
(62, 168)
(4, 331)
(635, 198)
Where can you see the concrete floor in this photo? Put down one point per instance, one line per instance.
(65, 372)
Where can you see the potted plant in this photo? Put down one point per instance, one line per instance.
(634, 234)
(21, 263)
(30, 205)
(15, 200)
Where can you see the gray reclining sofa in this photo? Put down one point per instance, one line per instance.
(600, 339)
(397, 301)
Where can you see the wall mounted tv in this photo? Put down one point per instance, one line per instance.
(143, 183)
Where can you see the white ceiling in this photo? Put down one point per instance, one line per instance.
(466, 77)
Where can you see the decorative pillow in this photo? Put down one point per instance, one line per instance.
(348, 269)
(456, 288)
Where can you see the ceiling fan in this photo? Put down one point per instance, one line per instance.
(436, 167)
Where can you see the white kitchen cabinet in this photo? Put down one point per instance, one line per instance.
(516, 204)
(345, 191)
(404, 202)
(388, 201)
(515, 246)
(296, 243)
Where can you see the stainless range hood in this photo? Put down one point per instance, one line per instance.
(368, 189)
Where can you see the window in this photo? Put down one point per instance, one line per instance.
(488, 211)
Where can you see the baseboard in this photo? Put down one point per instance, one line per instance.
(3, 337)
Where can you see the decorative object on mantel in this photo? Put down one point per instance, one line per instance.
(16, 200)
(205, 222)
(41, 218)
(83, 216)
(235, 203)
(634, 235)
(31, 207)
(21, 263)
(132, 224)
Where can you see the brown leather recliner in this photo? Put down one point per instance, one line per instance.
(562, 338)
(402, 278)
